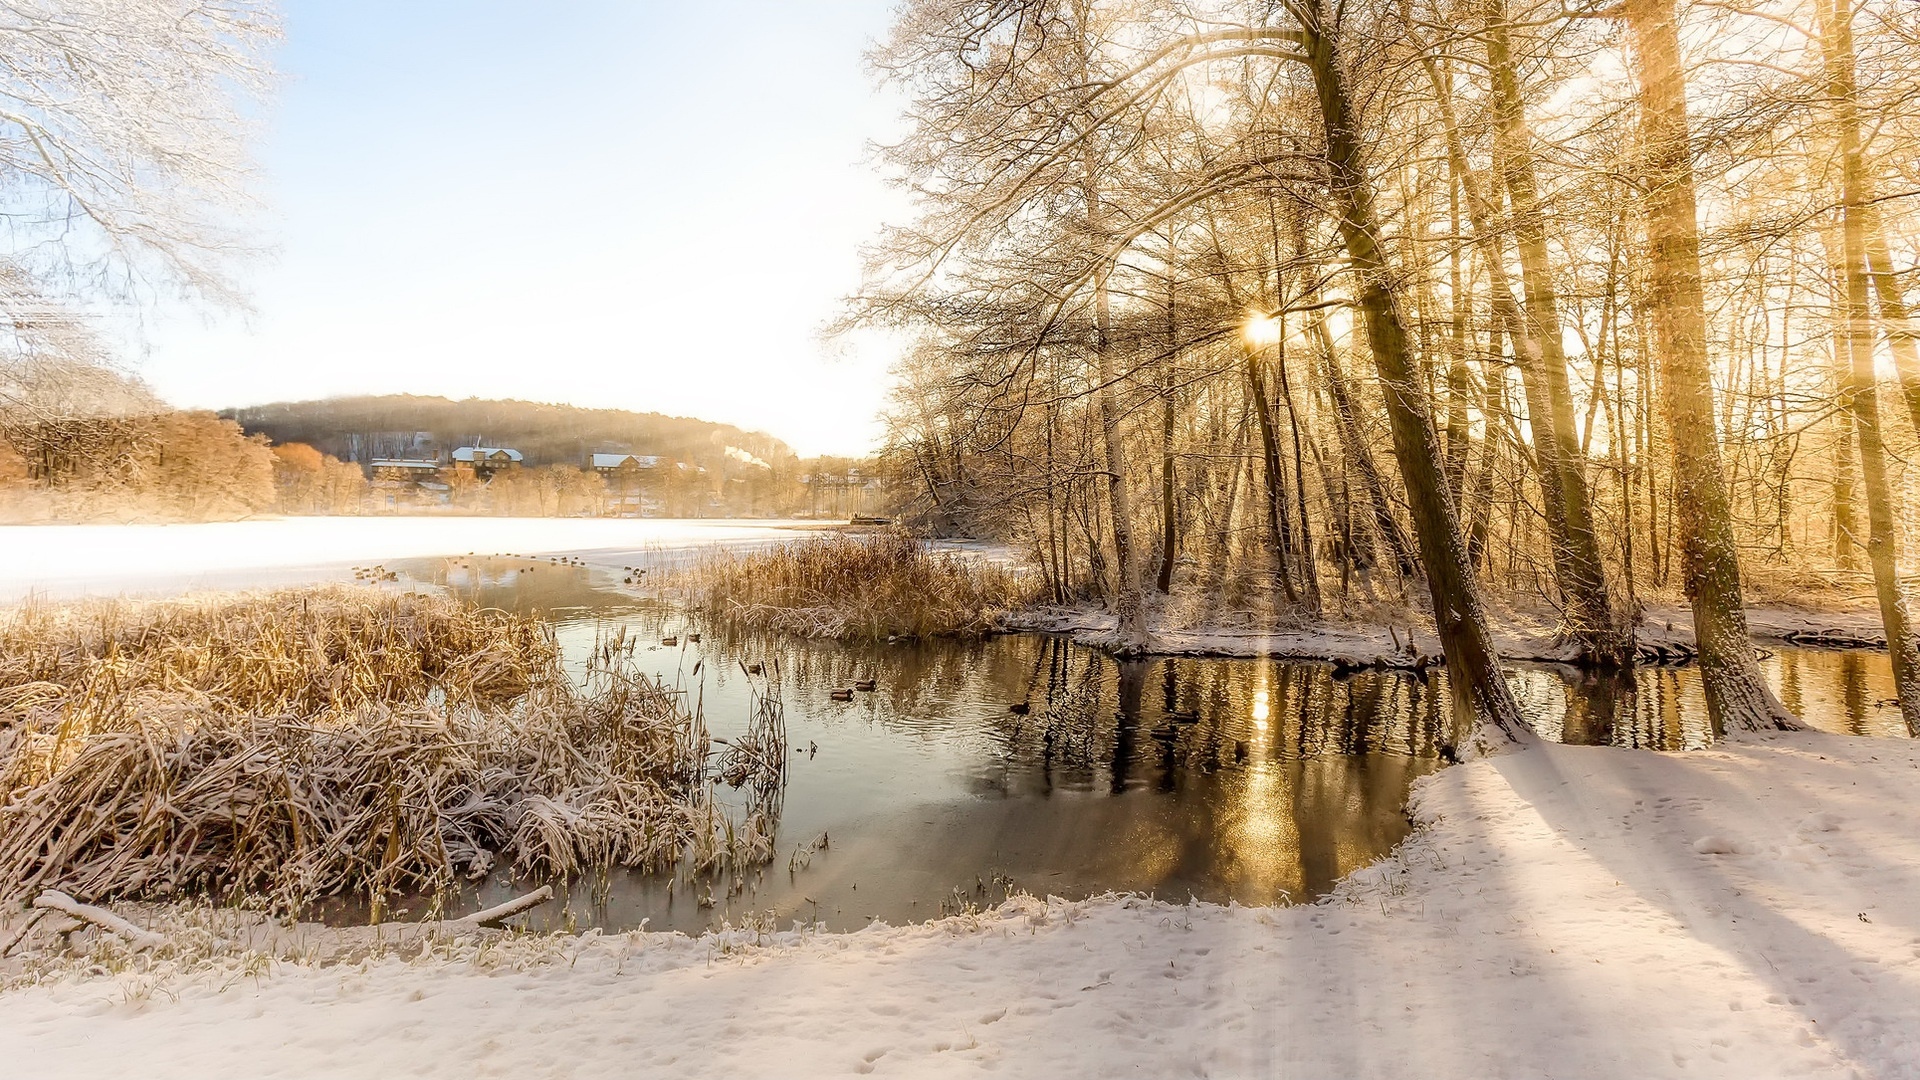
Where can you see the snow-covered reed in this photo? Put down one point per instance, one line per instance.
(855, 587)
(294, 744)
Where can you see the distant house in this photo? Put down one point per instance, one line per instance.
(405, 470)
(484, 461)
(613, 465)
(632, 482)
(398, 481)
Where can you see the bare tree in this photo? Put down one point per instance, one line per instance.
(124, 140)
(1737, 697)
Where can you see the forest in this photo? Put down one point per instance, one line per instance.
(87, 441)
(546, 433)
(1289, 306)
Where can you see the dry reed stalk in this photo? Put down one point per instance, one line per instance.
(301, 743)
(855, 587)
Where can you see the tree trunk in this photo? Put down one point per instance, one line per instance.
(1480, 690)
(1846, 525)
(1129, 613)
(1737, 697)
(1309, 570)
(1860, 397)
(1353, 441)
(1896, 318)
(1480, 508)
(1459, 379)
(1278, 532)
(1169, 507)
(1221, 550)
(1579, 569)
(1129, 610)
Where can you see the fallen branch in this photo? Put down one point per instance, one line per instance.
(26, 927)
(493, 916)
(55, 900)
(1415, 662)
(1834, 639)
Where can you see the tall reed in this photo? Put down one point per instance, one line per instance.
(855, 587)
(300, 743)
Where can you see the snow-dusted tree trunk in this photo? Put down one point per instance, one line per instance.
(1576, 555)
(1129, 610)
(1359, 457)
(1860, 396)
(1129, 607)
(1480, 690)
(1279, 532)
(1169, 481)
(1896, 318)
(1737, 696)
(1582, 575)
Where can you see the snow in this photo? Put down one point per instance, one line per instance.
(1366, 638)
(67, 560)
(1750, 911)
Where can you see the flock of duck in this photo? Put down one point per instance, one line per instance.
(839, 693)
(633, 576)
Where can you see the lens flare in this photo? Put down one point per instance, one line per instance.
(1261, 330)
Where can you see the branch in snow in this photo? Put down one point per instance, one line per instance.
(491, 917)
(55, 900)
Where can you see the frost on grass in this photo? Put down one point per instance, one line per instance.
(1549, 918)
(294, 744)
(856, 587)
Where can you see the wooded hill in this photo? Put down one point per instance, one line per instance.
(359, 428)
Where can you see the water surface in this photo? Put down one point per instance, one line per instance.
(1257, 781)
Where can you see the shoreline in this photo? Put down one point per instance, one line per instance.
(1665, 637)
(1735, 912)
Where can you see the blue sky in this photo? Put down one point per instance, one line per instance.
(630, 205)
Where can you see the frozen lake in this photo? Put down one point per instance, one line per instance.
(77, 560)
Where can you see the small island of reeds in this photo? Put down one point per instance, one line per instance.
(855, 587)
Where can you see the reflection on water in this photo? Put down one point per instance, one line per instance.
(1845, 692)
(1025, 762)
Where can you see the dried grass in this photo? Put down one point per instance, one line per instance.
(295, 744)
(856, 587)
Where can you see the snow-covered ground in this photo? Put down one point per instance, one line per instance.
(66, 560)
(1752, 911)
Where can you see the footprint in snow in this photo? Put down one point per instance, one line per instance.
(1819, 823)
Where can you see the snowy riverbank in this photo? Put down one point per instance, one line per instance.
(1752, 911)
(71, 560)
(1379, 638)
